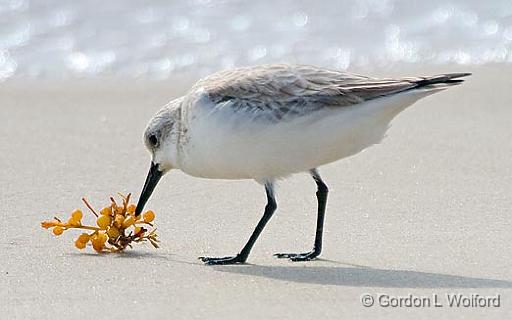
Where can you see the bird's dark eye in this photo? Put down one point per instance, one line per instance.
(153, 140)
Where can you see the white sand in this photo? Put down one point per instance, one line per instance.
(426, 212)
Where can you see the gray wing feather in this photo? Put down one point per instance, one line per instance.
(284, 90)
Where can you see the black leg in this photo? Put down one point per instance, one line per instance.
(242, 256)
(321, 195)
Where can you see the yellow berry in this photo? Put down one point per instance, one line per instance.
(104, 222)
(118, 220)
(80, 244)
(103, 237)
(113, 232)
(98, 241)
(84, 237)
(73, 222)
(58, 230)
(139, 231)
(77, 215)
(118, 209)
(149, 216)
(107, 211)
(97, 246)
(131, 208)
(128, 222)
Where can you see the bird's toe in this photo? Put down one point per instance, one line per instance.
(284, 255)
(222, 260)
(307, 256)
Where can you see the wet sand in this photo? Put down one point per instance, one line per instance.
(427, 212)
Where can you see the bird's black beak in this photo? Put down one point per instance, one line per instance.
(154, 176)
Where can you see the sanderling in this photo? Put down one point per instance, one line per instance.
(268, 122)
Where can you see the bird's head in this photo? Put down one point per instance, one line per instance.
(161, 139)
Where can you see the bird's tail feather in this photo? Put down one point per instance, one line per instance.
(441, 80)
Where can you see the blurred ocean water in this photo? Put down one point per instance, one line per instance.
(65, 39)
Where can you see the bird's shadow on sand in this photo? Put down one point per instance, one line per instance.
(339, 274)
(362, 276)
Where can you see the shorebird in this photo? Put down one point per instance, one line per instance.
(268, 122)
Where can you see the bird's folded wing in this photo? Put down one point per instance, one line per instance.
(281, 91)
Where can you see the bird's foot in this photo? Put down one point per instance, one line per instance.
(306, 256)
(224, 260)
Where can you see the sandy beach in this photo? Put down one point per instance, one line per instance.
(426, 213)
